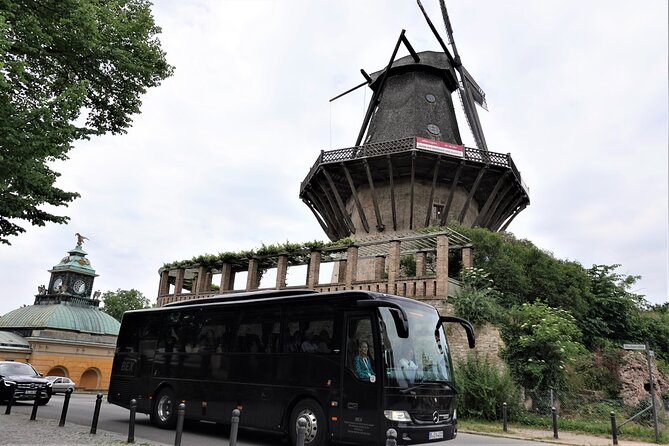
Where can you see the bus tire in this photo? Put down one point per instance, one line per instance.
(316, 433)
(164, 413)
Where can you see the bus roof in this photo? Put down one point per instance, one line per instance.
(284, 296)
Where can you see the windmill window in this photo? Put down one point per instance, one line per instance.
(433, 129)
(437, 210)
(430, 98)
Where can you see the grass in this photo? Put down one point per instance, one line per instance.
(629, 432)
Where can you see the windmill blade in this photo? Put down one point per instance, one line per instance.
(470, 92)
(472, 118)
(477, 92)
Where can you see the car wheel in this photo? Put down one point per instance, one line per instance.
(164, 414)
(44, 401)
(316, 431)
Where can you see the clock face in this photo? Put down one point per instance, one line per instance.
(79, 287)
(56, 284)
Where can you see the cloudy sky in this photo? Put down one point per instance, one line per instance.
(577, 93)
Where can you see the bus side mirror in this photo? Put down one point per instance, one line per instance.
(399, 316)
(469, 329)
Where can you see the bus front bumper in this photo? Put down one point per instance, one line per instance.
(412, 434)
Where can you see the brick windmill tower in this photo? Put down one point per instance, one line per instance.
(409, 169)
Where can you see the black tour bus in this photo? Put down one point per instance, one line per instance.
(281, 355)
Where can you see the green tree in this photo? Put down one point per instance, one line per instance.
(118, 302)
(540, 342)
(69, 69)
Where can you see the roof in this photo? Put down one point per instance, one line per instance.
(60, 316)
(12, 340)
(75, 261)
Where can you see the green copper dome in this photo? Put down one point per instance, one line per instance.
(65, 317)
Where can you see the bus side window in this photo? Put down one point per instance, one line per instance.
(358, 359)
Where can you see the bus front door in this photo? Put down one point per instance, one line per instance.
(360, 386)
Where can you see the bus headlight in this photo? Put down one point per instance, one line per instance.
(397, 415)
(455, 414)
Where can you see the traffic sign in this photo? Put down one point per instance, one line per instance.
(634, 346)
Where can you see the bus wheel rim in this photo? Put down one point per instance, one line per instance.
(312, 425)
(164, 408)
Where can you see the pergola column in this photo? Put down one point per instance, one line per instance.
(252, 278)
(442, 266)
(227, 277)
(201, 280)
(164, 286)
(342, 266)
(179, 281)
(393, 263)
(314, 269)
(379, 267)
(351, 265)
(420, 264)
(467, 256)
(281, 271)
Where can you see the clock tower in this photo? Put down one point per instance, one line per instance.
(71, 281)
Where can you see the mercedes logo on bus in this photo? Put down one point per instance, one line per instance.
(435, 417)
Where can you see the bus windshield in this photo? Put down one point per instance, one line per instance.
(423, 357)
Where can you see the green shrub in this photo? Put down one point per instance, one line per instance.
(477, 301)
(483, 388)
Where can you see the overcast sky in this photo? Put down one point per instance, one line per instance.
(577, 93)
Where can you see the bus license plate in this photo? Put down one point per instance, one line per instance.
(436, 435)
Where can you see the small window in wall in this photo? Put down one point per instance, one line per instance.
(437, 211)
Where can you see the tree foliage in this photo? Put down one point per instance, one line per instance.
(118, 302)
(478, 301)
(69, 69)
(540, 342)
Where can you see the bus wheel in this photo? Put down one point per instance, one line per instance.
(164, 414)
(316, 432)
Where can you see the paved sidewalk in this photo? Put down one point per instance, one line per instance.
(17, 429)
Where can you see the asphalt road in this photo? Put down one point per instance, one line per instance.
(115, 419)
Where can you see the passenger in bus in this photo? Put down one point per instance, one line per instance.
(295, 343)
(362, 364)
(309, 345)
(323, 342)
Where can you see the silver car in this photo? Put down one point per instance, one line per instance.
(60, 384)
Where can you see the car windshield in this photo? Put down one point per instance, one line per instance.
(16, 368)
(423, 357)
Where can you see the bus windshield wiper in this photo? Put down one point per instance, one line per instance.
(423, 383)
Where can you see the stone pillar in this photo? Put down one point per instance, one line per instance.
(351, 266)
(281, 271)
(201, 280)
(164, 286)
(314, 270)
(179, 281)
(393, 263)
(207, 281)
(252, 278)
(342, 271)
(379, 267)
(442, 266)
(467, 256)
(420, 264)
(227, 278)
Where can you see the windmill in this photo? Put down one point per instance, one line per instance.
(412, 170)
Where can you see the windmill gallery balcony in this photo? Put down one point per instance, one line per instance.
(414, 265)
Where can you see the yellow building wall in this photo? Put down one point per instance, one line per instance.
(76, 360)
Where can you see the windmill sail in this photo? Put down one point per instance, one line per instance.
(477, 92)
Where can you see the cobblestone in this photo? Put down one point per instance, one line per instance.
(17, 429)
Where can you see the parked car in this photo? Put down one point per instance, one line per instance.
(24, 381)
(60, 384)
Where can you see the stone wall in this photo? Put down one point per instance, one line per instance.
(633, 374)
